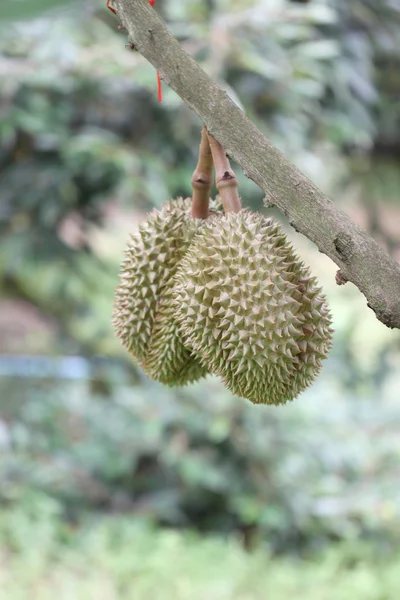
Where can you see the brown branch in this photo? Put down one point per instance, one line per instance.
(360, 259)
(202, 179)
(225, 179)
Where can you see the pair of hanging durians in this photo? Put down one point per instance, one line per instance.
(208, 287)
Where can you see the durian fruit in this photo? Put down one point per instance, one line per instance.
(143, 314)
(249, 309)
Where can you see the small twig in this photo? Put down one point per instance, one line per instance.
(340, 278)
(225, 179)
(202, 179)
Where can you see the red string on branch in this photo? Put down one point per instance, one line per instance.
(110, 7)
(159, 85)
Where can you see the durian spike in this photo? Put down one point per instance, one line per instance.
(225, 179)
(202, 179)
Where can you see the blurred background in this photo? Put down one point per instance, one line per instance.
(115, 487)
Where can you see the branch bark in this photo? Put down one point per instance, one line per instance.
(360, 259)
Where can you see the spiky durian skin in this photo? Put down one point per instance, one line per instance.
(250, 310)
(143, 314)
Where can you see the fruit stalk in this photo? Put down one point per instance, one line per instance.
(225, 179)
(202, 179)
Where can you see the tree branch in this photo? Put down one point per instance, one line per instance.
(360, 259)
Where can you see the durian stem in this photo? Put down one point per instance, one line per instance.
(202, 179)
(225, 179)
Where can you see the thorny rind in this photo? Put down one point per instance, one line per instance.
(250, 310)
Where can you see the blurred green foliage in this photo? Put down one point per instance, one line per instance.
(198, 457)
(120, 559)
(85, 150)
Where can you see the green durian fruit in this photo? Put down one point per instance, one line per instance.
(143, 314)
(250, 310)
